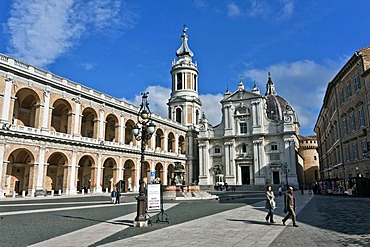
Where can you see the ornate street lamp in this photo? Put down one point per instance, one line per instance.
(147, 128)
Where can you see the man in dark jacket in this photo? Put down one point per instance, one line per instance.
(290, 207)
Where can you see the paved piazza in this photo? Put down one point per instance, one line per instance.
(239, 221)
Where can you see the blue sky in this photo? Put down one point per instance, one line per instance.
(123, 48)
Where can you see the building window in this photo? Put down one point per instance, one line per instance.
(179, 81)
(341, 96)
(349, 90)
(243, 128)
(345, 130)
(355, 151)
(274, 147)
(364, 148)
(244, 148)
(314, 157)
(178, 115)
(357, 83)
(352, 122)
(361, 120)
(347, 153)
(217, 150)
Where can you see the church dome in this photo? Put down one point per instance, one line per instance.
(276, 106)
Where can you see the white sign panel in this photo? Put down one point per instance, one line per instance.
(153, 197)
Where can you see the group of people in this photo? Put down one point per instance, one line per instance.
(115, 195)
(289, 205)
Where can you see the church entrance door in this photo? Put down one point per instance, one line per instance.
(246, 175)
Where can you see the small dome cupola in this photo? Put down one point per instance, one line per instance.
(184, 49)
(255, 89)
(227, 91)
(241, 84)
(270, 88)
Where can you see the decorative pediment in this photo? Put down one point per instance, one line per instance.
(275, 167)
(244, 157)
(240, 94)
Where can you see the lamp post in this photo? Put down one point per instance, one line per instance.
(146, 127)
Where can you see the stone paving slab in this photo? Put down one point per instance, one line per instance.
(243, 226)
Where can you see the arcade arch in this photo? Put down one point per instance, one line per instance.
(61, 117)
(86, 178)
(109, 174)
(89, 123)
(129, 175)
(26, 108)
(159, 138)
(111, 128)
(55, 179)
(20, 171)
(171, 142)
(129, 134)
(182, 145)
(158, 173)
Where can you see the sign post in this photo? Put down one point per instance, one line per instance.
(155, 202)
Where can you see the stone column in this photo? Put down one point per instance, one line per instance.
(203, 172)
(40, 190)
(165, 141)
(254, 114)
(73, 174)
(76, 126)
(99, 174)
(7, 100)
(176, 144)
(122, 129)
(258, 174)
(2, 169)
(120, 168)
(227, 120)
(101, 123)
(165, 173)
(45, 114)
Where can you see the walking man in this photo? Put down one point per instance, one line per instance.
(290, 207)
(118, 195)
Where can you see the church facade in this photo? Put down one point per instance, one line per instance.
(255, 143)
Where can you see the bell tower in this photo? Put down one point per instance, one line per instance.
(184, 106)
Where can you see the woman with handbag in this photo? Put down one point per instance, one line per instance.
(270, 204)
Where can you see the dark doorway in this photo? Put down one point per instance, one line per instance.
(246, 175)
(276, 177)
(17, 187)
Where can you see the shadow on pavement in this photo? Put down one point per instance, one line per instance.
(349, 215)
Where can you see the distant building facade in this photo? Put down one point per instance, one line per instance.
(308, 151)
(342, 126)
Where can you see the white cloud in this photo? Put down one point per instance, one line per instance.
(88, 66)
(271, 10)
(212, 107)
(233, 9)
(287, 8)
(258, 8)
(303, 83)
(41, 31)
(159, 96)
